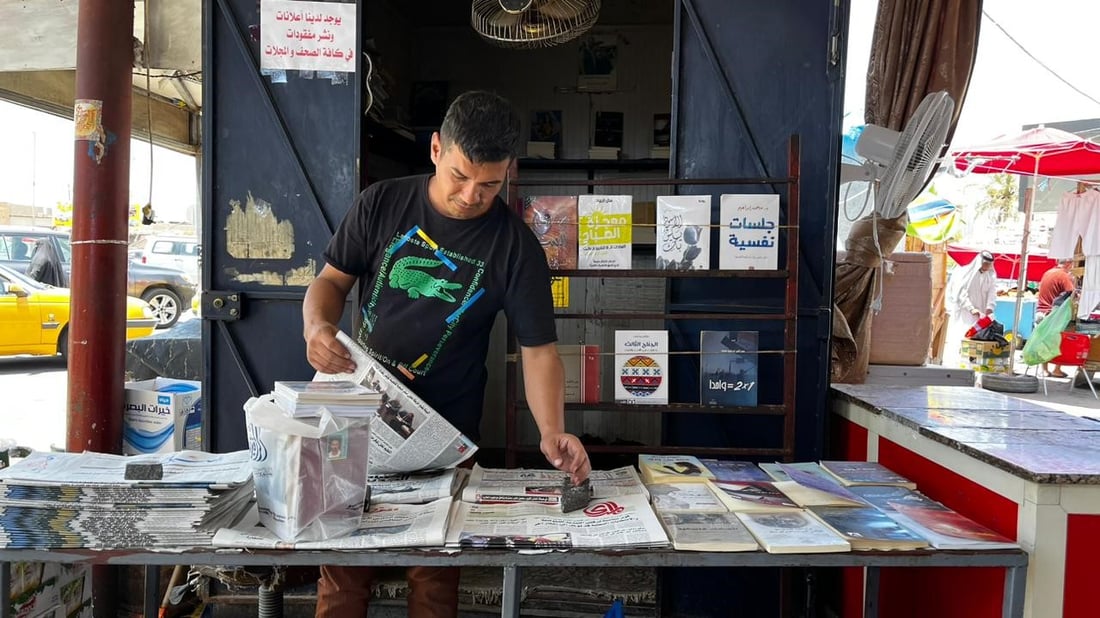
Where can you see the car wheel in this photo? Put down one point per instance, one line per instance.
(165, 305)
(63, 343)
(1010, 383)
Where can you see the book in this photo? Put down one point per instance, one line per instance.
(546, 128)
(553, 219)
(582, 372)
(662, 130)
(707, 532)
(663, 468)
(609, 130)
(792, 532)
(542, 150)
(604, 233)
(683, 232)
(854, 473)
(728, 367)
(776, 472)
(867, 528)
(735, 471)
(604, 154)
(749, 232)
(641, 361)
(809, 489)
(941, 526)
(697, 496)
(752, 496)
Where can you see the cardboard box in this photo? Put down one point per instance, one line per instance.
(902, 331)
(49, 589)
(162, 416)
(986, 356)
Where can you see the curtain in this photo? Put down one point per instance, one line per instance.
(919, 47)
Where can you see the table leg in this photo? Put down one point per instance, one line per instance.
(152, 587)
(1015, 589)
(870, 592)
(513, 589)
(5, 589)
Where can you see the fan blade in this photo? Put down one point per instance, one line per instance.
(515, 7)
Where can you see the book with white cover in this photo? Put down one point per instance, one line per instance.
(793, 532)
(641, 367)
(691, 496)
(604, 232)
(749, 232)
(683, 232)
(671, 468)
(707, 532)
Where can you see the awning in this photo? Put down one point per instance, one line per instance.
(1006, 265)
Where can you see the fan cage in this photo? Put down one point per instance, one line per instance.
(545, 24)
(915, 156)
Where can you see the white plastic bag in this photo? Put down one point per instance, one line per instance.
(310, 473)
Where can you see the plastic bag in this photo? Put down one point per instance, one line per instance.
(310, 473)
(1045, 342)
(994, 332)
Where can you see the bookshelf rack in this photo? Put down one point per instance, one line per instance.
(787, 313)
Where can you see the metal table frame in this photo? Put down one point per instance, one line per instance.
(1014, 562)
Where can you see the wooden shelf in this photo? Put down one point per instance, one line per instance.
(621, 165)
(681, 408)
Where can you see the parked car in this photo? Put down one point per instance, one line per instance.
(180, 252)
(34, 317)
(167, 290)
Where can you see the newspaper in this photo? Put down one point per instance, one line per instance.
(180, 469)
(414, 488)
(383, 526)
(495, 485)
(623, 521)
(407, 435)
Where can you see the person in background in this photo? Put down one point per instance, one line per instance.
(1055, 283)
(971, 294)
(437, 257)
(46, 265)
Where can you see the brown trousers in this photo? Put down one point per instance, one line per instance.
(344, 592)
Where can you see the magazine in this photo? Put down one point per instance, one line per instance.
(494, 486)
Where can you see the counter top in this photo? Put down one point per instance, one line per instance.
(1023, 438)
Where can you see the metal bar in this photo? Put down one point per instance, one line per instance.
(671, 450)
(671, 316)
(682, 408)
(790, 328)
(677, 57)
(641, 182)
(273, 295)
(5, 589)
(512, 592)
(152, 590)
(870, 592)
(235, 352)
(667, 274)
(1015, 591)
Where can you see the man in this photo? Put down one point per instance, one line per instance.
(971, 294)
(437, 257)
(46, 265)
(1055, 282)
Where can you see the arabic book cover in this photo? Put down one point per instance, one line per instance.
(664, 468)
(867, 528)
(852, 473)
(728, 367)
(735, 471)
(683, 232)
(943, 527)
(707, 532)
(792, 532)
(582, 372)
(641, 361)
(749, 232)
(605, 227)
(553, 219)
(751, 496)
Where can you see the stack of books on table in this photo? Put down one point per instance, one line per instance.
(301, 399)
(603, 152)
(659, 152)
(101, 501)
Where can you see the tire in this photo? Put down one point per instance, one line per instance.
(63, 343)
(166, 306)
(1010, 384)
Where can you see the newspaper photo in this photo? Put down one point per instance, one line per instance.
(415, 488)
(383, 526)
(496, 485)
(624, 521)
(407, 435)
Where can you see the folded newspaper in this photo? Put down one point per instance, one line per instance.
(495, 485)
(407, 435)
(415, 488)
(620, 522)
(383, 526)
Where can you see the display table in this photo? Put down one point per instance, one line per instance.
(1013, 562)
(1026, 471)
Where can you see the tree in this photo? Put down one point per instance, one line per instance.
(1001, 199)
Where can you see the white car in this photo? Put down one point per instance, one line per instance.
(180, 252)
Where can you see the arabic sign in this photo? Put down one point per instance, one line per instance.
(750, 232)
(308, 36)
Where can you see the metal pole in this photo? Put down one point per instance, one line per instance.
(101, 185)
(1021, 279)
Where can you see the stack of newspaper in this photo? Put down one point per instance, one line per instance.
(303, 399)
(69, 500)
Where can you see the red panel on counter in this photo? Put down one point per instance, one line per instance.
(1082, 548)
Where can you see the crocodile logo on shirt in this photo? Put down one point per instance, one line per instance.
(416, 283)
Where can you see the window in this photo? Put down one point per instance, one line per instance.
(65, 249)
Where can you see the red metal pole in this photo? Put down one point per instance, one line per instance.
(97, 328)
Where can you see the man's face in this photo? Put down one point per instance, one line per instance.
(986, 266)
(464, 189)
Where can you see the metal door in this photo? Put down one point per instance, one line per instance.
(280, 169)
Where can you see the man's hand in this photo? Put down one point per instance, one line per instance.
(565, 452)
(325, 353)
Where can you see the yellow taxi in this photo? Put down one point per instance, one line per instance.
(34, 318)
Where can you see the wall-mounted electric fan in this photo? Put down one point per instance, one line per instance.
(523, 24)
(902, 162)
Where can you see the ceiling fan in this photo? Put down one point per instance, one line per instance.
(526, 24)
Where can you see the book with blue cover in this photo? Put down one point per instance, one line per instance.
(728, 367)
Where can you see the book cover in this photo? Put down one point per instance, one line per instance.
(809, 489)
(792, 532)
(752, 496)
(867, 528)
(553, 219)
(604, 234)
(582, 372)
(546, 127)
(728, 367)
(735, 471)
(641, 361)
(853, 473)
(776, 473)
(609, 130)
(683, 232)
(941, 526)
(662, 468)
(691, 496)
(707, 532)
(662, 130)
(749, 232)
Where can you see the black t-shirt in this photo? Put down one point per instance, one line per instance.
(431, 286)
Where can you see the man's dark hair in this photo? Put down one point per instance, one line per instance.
(483, 125)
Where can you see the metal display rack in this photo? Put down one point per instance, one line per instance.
(789, 218)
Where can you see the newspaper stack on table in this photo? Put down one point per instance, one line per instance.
(304, 399)
(497, 485)
(70, 500)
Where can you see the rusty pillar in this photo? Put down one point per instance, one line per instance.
(101, 192)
